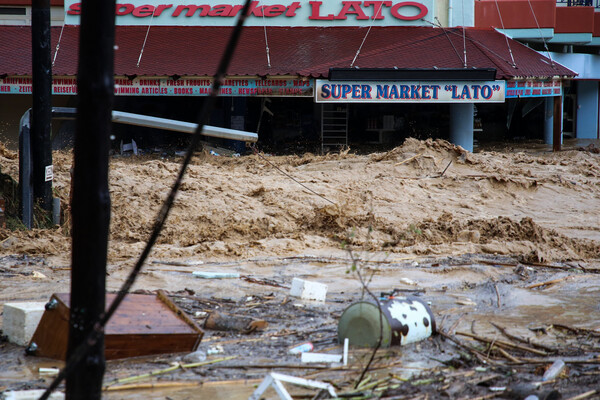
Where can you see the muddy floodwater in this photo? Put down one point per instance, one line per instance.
(504, 244)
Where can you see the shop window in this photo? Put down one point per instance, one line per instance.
(13, 11)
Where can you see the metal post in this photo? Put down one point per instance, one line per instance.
(25, 184)
(41, 146)
(91, 199)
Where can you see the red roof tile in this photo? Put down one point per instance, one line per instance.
(293, 51)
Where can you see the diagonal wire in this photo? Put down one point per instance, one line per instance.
(366, 34)
(475, 41)
(541, 35)
(266, 40)
(505, 37)
(464, 35)
(448, 37)
(161, 218)
(58, 44)
(146, 38)
(255, 150)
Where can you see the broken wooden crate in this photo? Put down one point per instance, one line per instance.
(143, 325)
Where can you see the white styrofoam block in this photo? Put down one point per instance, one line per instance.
(20, 321)
(320, 357)
(30, 395)
(308, 290)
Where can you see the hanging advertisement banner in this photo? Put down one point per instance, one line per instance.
(533, 88)
(184, 86)
(267, 13)
(409, 92)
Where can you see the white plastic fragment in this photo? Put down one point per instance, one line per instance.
(345, 358)
(407, 281)
(20, 321)
(215, 275)
(554, 370)
(218, 349)
(195, 357)
(48, 371)
(301, 348)
(308, 290)
(30, 395)
(275, 380)
(320, 358)
(38, 275)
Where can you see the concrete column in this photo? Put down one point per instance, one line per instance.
(461, 125)
(549, 120)
(557, 139)
(587, 110)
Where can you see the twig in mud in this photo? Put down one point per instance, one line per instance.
(445, 169)
(561, 267)
(478, 354)
(273, 366)
(264, 281)
(503, 343)
(484, 397)
(455, 324)
(479, 380)
(584, 395)
(179, 263)
(497, 294)
(545, 361)
(521, 340)
(501, 264)
(408, 159)
(547, 283)
(166, 370)
(507, 355)
(473, 327)
(155, 385)
(578, 331)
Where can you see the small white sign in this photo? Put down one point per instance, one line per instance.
(49, 172)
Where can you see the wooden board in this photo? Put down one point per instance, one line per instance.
(142, 325)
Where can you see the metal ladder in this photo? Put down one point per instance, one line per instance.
(334, 126)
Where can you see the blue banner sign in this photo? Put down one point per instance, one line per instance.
(409, 92)
(533, 88)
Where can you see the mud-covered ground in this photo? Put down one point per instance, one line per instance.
(476, 234)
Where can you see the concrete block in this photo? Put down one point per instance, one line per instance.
(308, 290)
(20, 321)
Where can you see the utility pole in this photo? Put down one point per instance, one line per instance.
(41, 116)
(91, 199)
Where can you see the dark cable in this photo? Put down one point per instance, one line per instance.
(161, 218)
(291, 177)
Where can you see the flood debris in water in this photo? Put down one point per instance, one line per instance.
(503, 244)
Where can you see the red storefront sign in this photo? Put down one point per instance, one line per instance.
(294, 13)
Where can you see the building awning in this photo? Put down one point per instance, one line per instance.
(308, 52)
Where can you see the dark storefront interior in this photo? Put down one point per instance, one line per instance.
(293, 125)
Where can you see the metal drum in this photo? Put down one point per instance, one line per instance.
(404, 320)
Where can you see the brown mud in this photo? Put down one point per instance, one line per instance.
(472, 232)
